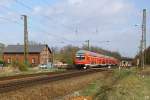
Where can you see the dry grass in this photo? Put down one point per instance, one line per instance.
(131, 88)
(80, 98)
(122, 85)
(11, 71)
(51, 90)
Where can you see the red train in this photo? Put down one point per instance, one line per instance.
(85, 59)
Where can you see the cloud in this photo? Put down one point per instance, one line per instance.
(6, 2)
(81, 11)
(79, 20)
(37, 10)
(75, 2)
(109, 17)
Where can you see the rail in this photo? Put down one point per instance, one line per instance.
(7, 86)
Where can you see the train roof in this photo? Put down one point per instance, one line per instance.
(93, 54)
(89, 52)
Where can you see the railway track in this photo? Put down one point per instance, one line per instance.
(15, 84)
(27, 75)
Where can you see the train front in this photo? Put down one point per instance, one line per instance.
(80, 59)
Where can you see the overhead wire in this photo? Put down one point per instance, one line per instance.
(7, 19)
(32, 26)
(39, 28)
(30, 8)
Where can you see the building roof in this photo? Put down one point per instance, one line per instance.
(127, 58)
(20, 48)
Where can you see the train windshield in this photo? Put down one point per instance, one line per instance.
(80, 57)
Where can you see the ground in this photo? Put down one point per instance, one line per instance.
(54, 90)
(124, 84)
(127, 84)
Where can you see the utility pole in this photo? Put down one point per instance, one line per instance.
(25, 39)
(143, 41)
(142, 54)
(144, 32)
(96, 31)
(53, 57)
(88, 44)
(76, 30)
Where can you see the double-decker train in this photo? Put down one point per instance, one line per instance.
(86, 59)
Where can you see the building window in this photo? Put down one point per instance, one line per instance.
(9, 60)
(33, 60)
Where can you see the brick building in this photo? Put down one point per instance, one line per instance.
(38, 54)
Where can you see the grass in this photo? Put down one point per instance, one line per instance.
(122, 85)
(92, 88)
(131, 87)
(29, 71)
(54, 90)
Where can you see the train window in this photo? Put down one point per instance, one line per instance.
(80, 57)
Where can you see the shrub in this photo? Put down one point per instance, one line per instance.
(1, 62)
(14, 64)
(22, 67)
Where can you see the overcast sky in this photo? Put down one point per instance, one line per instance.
(63, 22)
